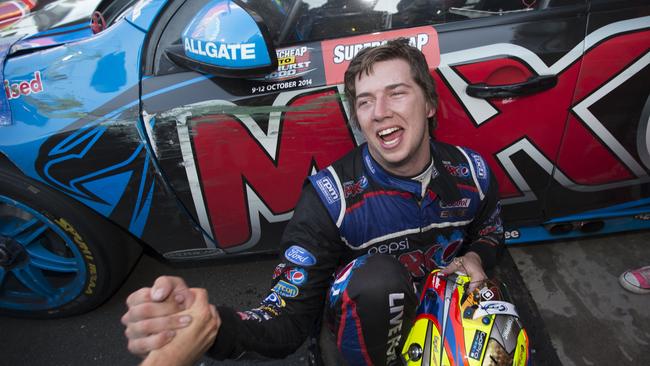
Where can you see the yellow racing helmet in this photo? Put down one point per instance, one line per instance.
(456, 327)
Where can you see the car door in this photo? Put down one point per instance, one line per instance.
(604, 159)
(236, 149)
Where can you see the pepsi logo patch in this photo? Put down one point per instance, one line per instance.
(297, 276)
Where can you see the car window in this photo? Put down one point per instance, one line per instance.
(309, 20)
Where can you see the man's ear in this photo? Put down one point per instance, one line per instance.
(431, 111)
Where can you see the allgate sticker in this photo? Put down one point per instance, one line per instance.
(338, 53)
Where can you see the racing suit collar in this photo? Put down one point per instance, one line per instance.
(441, 181)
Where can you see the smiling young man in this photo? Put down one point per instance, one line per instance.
(364, 231)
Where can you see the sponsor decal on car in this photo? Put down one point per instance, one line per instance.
(292, 62)
(286, 289)
(643, 216)
(15, 90)
(297, 276)
(352, 188)
(338, 53)
(228, 51)
(204, 39)
(329, 191)
(300, 256)
(477, 345)
(512, 234)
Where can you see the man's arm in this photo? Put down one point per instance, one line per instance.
(486, 236)
(278, 326)
(284, 318)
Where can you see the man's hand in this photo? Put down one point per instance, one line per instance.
(470, 264)
(153, 314)
(190, 343)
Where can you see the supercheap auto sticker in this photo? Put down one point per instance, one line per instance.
(338, 53)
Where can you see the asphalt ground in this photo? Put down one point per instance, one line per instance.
(96, 338)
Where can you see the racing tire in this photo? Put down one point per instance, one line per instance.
(57, 257)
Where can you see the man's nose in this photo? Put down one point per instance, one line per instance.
(382, 109)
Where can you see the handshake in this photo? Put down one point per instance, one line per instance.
(169, 323)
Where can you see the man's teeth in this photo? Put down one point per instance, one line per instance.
(387, 131)
(391, 142)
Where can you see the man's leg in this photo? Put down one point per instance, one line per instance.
(370, 308)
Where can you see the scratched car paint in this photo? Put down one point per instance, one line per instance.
(196, 164)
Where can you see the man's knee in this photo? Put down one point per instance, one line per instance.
(371, 306)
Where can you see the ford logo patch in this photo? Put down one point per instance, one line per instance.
(299, 255)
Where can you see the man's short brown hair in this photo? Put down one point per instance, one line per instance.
(394, 49)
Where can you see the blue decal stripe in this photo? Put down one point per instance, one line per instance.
(72, 141)
(612, 225)
(616, 210)
(102, 171)
(139, 217)
(50, 163)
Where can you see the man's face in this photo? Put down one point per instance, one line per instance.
(392, 113)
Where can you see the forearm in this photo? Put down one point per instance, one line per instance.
(275, 338)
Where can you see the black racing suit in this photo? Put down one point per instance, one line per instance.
(354, 208)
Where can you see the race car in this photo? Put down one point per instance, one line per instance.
(189, 126)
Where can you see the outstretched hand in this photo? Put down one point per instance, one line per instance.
(469, 264)
(153, 314)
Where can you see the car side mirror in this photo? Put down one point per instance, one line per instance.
(226, 39)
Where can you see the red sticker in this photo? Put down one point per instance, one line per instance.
(337, 53)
